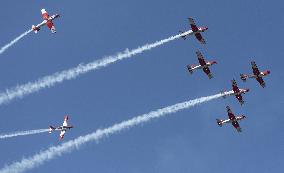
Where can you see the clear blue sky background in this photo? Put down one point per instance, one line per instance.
(188, 141)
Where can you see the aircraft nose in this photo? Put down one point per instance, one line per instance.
(268, 71)
(247, 90)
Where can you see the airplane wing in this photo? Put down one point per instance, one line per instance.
(65, 121)
(237, 126)
(230, 113)
(254, 68)
(260, 81)
(208, 72)
(240, 98)
(200, 58)
(62, 134)
(192, 24)
(51, 26)
(200, 38)
(235, 86)
(44, 14)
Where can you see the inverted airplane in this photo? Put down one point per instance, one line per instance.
(47, 20)
(62, 128)
(232, 119)
(237, 92)
(203, 65)
(194, 30)
(256, 74)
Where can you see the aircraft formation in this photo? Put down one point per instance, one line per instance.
(48, 21)
(203, 64)
(236, 91)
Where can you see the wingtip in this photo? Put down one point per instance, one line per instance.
(210, 76)
(239, 130)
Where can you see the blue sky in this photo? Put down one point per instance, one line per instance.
(188, 141)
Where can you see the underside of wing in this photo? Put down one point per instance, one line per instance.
(208, 72)
(192, 24)
(254, 68)
(234, 83)
(200, 58)
(235, 86)
(65, 122)
(230, 113)
(237, 126)
(51, 26)
(62, 134)
(260, 81)
(240, 98)
(45, 15)
(200, 38)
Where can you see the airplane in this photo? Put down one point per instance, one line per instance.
(256, 74)
(194, 30)
(204, 65)
(236, 92)
(47, 20)
(62, 128)
(232, 119)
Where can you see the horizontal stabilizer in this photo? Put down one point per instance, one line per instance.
(35, 29)
(51, 128)
(189, 69)
(243, 77)
(219, 122)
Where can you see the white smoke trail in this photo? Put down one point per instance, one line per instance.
(4, 48)
(23, 133)
(55, 151)
(49, 81)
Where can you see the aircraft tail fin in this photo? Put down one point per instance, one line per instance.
(51, 128)
(35, 29)
(243, 77)
(189, 69)
(219, 122)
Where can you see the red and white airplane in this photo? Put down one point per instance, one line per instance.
(203, 65)
(256, 74)
(47, 20)
(237, 92)
(194, 30)
(62, 128)
(232, 119)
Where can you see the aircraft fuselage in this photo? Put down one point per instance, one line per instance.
(237, 118)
